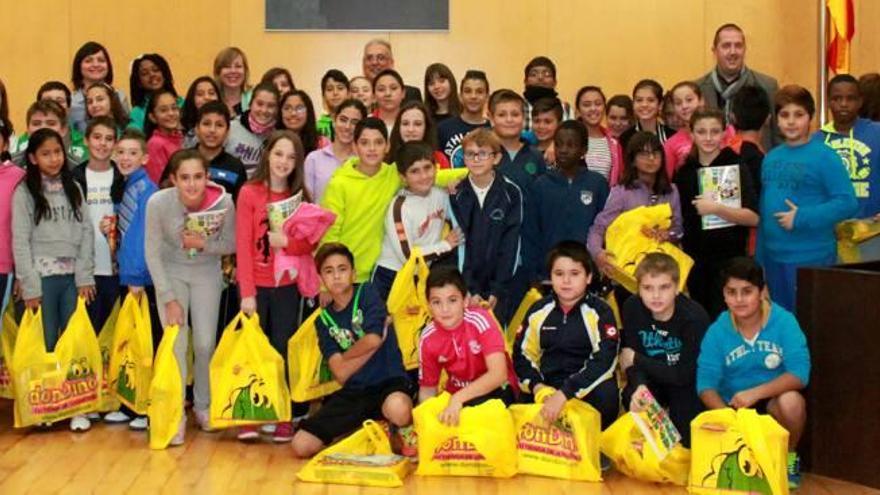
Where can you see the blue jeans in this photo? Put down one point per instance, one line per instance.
(59, 302)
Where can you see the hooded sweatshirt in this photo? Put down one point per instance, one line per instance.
(58, 235)
(165, 256)
(360, 203)
(10, 175)
(245, 144)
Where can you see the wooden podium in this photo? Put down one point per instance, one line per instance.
(839, 310)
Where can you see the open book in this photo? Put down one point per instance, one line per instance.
(721, 185)
(658, 430)
(279, 211)
(207, 222)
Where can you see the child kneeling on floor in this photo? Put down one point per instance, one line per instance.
(361, 350)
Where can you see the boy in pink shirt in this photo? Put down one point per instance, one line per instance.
(467, 343)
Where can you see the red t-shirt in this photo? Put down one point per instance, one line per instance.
(460, 351)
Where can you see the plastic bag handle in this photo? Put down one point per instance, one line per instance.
(377, 436)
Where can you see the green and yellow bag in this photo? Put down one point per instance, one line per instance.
(132, 356)
(738, 452)
(364, 458)
(165, 407)
(109, 402)
(310, 377)
(247, 378)
(51, 386)
(625, 444)
(408, 307)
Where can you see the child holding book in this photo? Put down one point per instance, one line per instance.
(718, 206)
(662, 331)
(278, 178)
(189, 227)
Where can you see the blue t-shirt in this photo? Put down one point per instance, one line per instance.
(810, 176)
(860, 152)
(450, 132)
(730, 364)
(386, 363)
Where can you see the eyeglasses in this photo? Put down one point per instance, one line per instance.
(478, 156)
(294, 109)
(381, 58)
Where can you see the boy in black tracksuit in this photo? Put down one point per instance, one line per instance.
(569, 340)
(489, 210)
(662, 332)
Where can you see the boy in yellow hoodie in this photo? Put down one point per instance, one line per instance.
(359, 194)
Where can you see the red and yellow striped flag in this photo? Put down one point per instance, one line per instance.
(841, 28)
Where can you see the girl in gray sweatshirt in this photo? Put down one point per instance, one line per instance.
(52, 240)
(189, 227)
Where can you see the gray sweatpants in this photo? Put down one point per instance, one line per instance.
(198, 292)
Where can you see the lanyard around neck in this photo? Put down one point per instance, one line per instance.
(356, 323)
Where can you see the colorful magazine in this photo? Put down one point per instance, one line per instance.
(279, 211)
(721, 185)
(207, 222)
(658, 430)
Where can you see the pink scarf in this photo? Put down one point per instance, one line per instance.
(257, 127)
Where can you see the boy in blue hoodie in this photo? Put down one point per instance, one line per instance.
(856, 141)
(755, 356)
(564, 201)
(805, 193)
(131, 210)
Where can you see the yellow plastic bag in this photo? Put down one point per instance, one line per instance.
(109, 402)
(247, 377)
(625, 444)
(310, 377)
(483, 443)
(626, 243)
(738, 452)
(7, 345)
(408, 307)
(51, 386)
(568, 449)
(165, 408)
(531, 297)
(364, 458)
(858, 240)
(132, 356)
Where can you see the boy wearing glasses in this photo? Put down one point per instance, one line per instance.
(488, 209)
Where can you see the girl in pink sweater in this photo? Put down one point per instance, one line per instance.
(279, 178)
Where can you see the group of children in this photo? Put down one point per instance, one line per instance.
(500, 192)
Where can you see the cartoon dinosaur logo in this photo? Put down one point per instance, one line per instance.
(738, 470)
(125, 382)
(251, 402)
(79, 369)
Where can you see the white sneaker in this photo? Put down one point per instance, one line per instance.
(139, 423)
(268, 429)
(203, 419)
(80, 423)
(93, 416)
(116, 417)
(181, 432)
